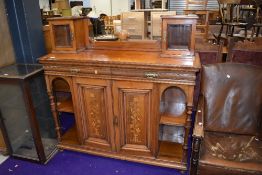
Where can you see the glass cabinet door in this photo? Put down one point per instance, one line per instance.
(63, 36)
(178, 36)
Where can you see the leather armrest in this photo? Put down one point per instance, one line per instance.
(199, 119)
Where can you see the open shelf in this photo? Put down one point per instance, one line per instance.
(70, 137)
(65, 106)
(172, 120)
(170, 151)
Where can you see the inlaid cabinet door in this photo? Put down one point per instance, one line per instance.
(95, 108)
(134, 118)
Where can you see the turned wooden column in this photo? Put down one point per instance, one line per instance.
(54, 113)
(187, 133)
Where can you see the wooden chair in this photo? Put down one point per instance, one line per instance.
(230, 17)
(199, 7)
(227, 131)
(247, 52)
(258, 24)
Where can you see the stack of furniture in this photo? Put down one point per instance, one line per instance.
(199, 7)
(131, 100)
(156, 22)
(135, 23)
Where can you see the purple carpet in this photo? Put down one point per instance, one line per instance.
(73, 163)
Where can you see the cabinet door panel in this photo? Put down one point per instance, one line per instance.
(133, 105)
(62, 35)
(95, 107)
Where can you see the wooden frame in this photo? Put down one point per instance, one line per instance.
(77, 38)
(178, 20)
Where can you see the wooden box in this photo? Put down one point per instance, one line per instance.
(178, 35)
(69, 34)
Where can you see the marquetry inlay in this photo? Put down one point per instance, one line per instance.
(135, 117)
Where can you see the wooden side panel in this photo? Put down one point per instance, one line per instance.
(95, 107)
(2, 144)
(6, 46)
(133, 108)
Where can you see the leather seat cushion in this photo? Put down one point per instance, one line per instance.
(230, 154)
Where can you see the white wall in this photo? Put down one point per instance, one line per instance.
(103, 6)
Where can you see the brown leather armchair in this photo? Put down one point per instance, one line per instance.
(227, 138)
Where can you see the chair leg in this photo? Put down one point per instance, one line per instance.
(227, 30)
(252, 33)
(232, 31)
(258, 29)
(220, 33)
(245, 32)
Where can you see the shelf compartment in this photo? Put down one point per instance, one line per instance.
(172, 133)
(173, 120)
(70, 137)
(170, 151)
(65, 106)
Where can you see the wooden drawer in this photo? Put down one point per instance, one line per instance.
(134, 30)
(152, 74)
(133, 18)
(79, 70)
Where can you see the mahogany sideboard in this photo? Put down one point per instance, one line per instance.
(130, 105)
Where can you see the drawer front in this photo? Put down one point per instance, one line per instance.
(156, 30)
(133, 18)
(133, 30)
(79, 70)
(152, 74)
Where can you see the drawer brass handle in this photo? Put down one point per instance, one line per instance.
(151, 75)
(74, 70)
(51, 58)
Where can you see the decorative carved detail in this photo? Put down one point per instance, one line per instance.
(134, 118)
(94, 114)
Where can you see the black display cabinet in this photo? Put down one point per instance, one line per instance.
(26, 118)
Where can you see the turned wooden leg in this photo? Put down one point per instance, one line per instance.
(55, 116)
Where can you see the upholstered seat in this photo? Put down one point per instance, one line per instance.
(236, 153)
